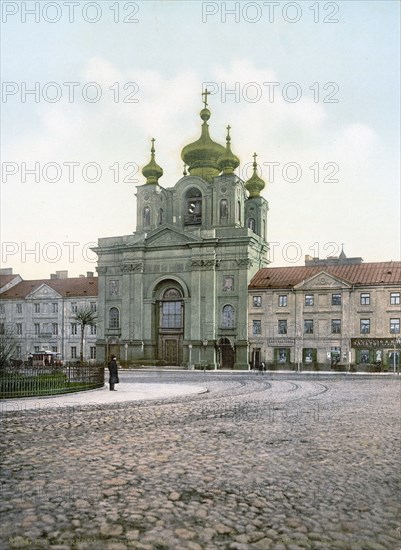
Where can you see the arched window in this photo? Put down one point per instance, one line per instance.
(223, 209)
(160, 216)
(239, 211)
(193, 207)
(171, 309)
(251, 223)
(146, 216)
(114, 318)
(228, 320)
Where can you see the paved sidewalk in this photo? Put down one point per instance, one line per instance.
(102, 396)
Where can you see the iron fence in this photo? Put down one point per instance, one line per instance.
(29, 381)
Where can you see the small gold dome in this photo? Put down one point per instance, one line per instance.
(152, 171)
(255, 184)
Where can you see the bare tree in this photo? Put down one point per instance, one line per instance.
(85, 317)
(8, 345)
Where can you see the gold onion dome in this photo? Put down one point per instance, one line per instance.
(255, 184)
(228, 162)
(152, 171)
(202, 156)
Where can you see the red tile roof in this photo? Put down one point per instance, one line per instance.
(5, 279)
(73, 287)
(357, 274)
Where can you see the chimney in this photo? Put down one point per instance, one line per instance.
(62, 274)
(89, 274)
(82, 276)
(6, 271)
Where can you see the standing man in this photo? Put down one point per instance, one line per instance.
(113, 370)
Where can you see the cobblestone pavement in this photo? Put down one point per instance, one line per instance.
(260, 462)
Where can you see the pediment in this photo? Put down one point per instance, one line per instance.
(322, 280)
(169, 236)
(44, 291)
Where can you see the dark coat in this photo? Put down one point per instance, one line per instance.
(113, 370)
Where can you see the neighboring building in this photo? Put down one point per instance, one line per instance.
(335, 310)
(41, 313)
(176, 289)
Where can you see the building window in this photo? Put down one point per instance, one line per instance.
(2, 309)
(336, 326)
(171, 314)
(55, 329)
(36, 308)
(228, 317)
(282, 355)
(308, 326)
(193, 207)
(365, 299)
(282, 300)
(93, 307)
(252, 224)
(19, 308)
(54, 349)
(36, 328)
(74, 307)
(161, 216)
(394, 326)
(19, 329)
(336, 299)
(2, 328)
(54, 307)
(36, 349)
(282, 326)
(309, 300)
(239, 211)
(93, 330)
(223, 209)
(228, 283)
(18, 351)
(74, 328)
(114, 288)
(394, 298)
(146, 216)
(257, 301)
(93, 352)
(365, 326)
(73, 352)
(364, 356)
(256, 327)
(114, 318)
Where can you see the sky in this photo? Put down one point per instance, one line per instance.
(312, 87)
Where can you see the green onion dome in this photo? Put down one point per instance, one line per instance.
(255, 184)
(152, 171)
(228, 162)
(202, 156)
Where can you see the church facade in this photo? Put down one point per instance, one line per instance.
(175, 292)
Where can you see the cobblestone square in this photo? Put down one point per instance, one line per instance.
(270, 461)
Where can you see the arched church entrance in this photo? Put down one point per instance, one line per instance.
(170, 322)
(226, 354)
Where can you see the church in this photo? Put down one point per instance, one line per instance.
(175, 292)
